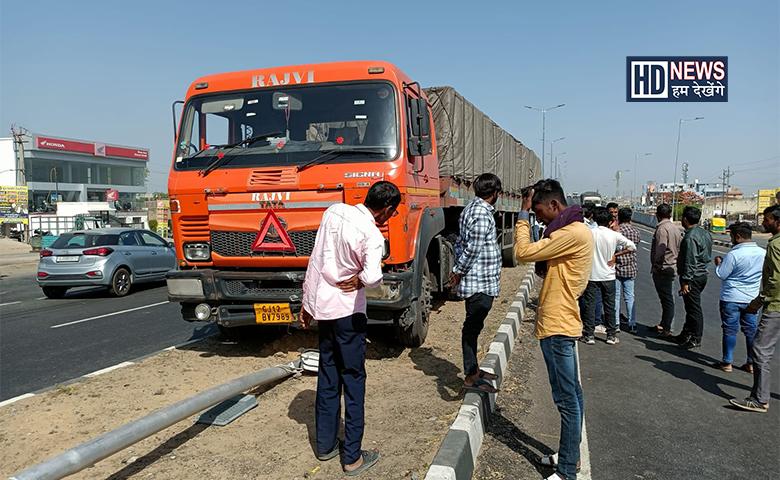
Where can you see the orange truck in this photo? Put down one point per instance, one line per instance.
(261, 154)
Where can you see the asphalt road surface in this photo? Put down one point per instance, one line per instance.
(652, 410)
(45, 341)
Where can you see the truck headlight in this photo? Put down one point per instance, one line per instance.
(385, 291)
(185, 287)
(197, 251)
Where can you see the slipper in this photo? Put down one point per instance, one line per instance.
(334, 452)
(726, 367)
(551, 461)
(477, 387)
(487, 375)
(748, 367)
(370, 457)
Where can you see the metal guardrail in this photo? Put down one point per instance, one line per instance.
(92, 451)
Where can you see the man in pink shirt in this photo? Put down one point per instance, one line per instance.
(347, 256)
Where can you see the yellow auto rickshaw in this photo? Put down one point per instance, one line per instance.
(718, 225)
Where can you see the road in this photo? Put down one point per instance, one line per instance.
(41, 346)
(652, 410)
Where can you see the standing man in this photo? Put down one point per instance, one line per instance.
(347, 256)
(568, 253)
(477, 273)
(695, 254)
(740, 272)
(602, 277)
(663, 257)
(768, 331)
(626, 269)
(613, 212)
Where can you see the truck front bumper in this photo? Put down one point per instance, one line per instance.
(232, 295)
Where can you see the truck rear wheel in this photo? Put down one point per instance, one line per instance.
(413, 335)
(508, 257)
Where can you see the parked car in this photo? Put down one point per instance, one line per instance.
(112, 257)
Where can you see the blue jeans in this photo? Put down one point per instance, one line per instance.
(560, 355)
(733, 316)
(626, 284)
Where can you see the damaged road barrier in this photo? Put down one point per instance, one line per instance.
(92, 451)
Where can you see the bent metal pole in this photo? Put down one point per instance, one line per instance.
(92, 451)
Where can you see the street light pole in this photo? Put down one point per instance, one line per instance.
(676, 158)
(636, 157)
(544, 114)
(552, 144)
(557, 168)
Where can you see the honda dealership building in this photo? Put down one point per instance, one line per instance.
(69, 170)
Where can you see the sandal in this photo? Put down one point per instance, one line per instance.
(551, 461)
(487, 375)
(370, 457)
(726, 367)
(481, 386)
(748, 367)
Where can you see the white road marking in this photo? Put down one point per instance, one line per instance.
(16, 399)
(9, 303)
(646, 248)
(108, 369)
(108, 315)
(42, 298)
(584, 452)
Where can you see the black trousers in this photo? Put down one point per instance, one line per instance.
(477, 308)
(342, 370)
(607, 290)
(664, 287)
(694, 317)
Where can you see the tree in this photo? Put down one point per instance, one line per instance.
(160, 196)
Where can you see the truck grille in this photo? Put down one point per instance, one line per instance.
(248, 287)
(239, 244)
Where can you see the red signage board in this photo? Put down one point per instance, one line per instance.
(65, 145)
(95, 148)
(112, 195)
(127, 152)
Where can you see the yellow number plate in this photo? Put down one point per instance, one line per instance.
(274, 313)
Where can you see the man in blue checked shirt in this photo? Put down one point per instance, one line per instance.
(740, 273)
(477, 273)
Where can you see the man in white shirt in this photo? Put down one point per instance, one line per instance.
(602, 277)
(347, 256)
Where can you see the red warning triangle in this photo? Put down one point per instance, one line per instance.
(261, 245)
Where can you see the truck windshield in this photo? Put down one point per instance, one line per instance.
(311, 120)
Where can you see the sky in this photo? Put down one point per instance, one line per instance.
(109, 71)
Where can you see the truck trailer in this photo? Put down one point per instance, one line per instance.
(261, 154)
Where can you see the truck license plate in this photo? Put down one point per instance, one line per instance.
(273, 313)
(63, 258)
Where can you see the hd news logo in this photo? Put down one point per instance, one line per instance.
(677, 79)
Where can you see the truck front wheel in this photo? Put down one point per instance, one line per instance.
(413, 334)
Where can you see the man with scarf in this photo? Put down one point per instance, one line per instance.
(566, 255)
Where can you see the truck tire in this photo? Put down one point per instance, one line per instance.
(120, 282)
(54, 292)
(413, 335)
(508, 257)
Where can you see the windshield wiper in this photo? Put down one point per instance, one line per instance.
(221, 158)
(336, 152)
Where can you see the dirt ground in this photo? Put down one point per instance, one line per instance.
(413, 396)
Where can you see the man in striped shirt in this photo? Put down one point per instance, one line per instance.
(477, 273)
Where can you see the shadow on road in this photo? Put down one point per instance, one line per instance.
(161, 451)
(302, 411)
(503, 430)
(446, 373)
(699, 376)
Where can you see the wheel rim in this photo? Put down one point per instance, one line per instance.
(122, 282)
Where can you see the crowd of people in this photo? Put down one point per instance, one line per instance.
(587, 258)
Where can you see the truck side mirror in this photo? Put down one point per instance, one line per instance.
(419, 142)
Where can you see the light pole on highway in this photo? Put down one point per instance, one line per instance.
(552, 144)
(636, 157)
(676, 158)
(557, 167)
(544, 113)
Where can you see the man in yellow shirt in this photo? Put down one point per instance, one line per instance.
(567, 249)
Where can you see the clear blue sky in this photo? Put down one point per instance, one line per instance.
(108, 71)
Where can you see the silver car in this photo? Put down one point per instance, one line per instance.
(112, 257)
